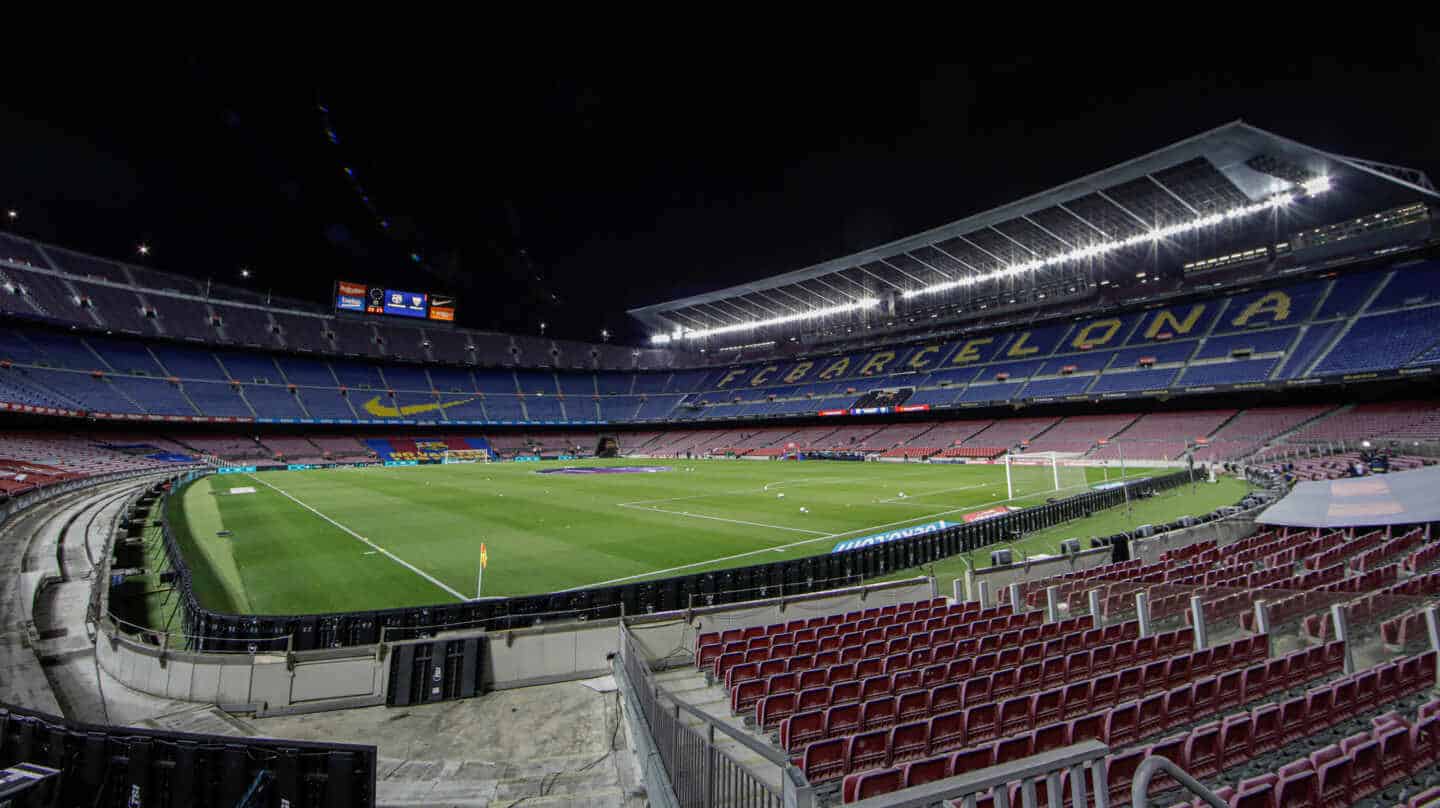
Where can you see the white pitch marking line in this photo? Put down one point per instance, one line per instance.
(377, 548)
(713, 494)
(777, 548)
(891, 500)
(768, 486)
(639, 502)
(820, 533)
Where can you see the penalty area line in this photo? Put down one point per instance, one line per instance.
(372, 545)
(908, 497)
(819, 533)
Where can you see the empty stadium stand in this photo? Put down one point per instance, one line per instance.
(875, 701)
(1378, 321)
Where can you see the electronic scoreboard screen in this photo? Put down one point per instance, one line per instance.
(406, 304)
(350, 296)
(365, 299)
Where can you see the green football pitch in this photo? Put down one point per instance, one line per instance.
(366, 538)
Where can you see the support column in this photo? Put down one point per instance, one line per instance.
(1017, 600)
(1095, 611)
(1197, 618)
(1142, 612)
(1052, 604)
(1262, 626)
(984, 593)
(1342, 633)
(1432, 624)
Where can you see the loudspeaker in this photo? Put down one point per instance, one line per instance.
(1001, 558)
(1070, 547)
(1144, 531)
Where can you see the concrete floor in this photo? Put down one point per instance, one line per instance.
(560, 744)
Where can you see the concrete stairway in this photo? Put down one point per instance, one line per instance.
(688, 685)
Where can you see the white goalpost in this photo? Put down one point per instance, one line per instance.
(453, 456)
(1041, 472)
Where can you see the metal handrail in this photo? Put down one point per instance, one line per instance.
(1140, 788)
(701, 773)
(767, 751)
(1048, 765)
(770, 753)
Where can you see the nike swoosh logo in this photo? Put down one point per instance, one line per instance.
(374, 407)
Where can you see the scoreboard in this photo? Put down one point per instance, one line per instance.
(365, 299)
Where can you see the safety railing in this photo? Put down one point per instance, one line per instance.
(700, 773)
(1140, 788)
(1026, 774)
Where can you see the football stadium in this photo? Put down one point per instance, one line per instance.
(1123, 492)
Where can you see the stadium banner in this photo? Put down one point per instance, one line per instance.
(988, 513)
(350, 296)
(893, 535)
(913, 408)
(442, 308)
(235, 470)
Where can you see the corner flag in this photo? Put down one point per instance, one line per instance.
(480, 573)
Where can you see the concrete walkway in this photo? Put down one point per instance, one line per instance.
(560, 744)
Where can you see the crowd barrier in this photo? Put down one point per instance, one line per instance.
(208, 630)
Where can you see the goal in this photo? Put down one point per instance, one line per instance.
(1042, 472)
(453, 456)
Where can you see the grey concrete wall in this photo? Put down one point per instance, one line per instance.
(1221, 531)
(548, 654)
(327, 680)
(266, 684)
(1000, 578)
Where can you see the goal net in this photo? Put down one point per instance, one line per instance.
(1043, 473)
(465, 456)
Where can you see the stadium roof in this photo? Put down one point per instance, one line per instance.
(1234, 167)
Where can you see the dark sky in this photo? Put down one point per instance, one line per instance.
(567, 183)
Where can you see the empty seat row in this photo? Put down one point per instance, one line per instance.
(1339, 774)
(963, 682)
(853, 648)
(827, 735)
(846, 623)
(864, 633)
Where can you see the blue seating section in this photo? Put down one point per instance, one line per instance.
(154, 395)
(1062, 386)
(1309, 348)
(1258, 342)
(1133, 381)
(1412, 284)
(1380, 341)
(1287, 329)
(1236, 372)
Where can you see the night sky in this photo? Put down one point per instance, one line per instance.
(570, 183)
